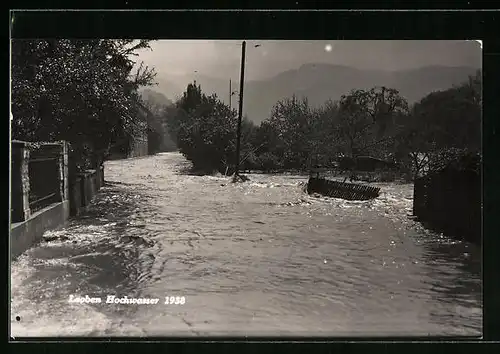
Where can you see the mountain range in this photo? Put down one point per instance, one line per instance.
(318, 82)
(155, 99)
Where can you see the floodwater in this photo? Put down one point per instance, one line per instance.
(260, 258)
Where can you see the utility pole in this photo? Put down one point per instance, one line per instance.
(230, 95)
(240, 112)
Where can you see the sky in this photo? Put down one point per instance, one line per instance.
(221, 58)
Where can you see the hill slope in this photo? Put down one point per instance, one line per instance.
(320, 82)
(155, 98)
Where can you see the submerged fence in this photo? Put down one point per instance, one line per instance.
(449, 201)
(335, 189)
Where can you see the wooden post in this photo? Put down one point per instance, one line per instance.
(63, 171)
(20, 182)
(240, 111)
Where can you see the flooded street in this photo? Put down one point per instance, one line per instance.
(256, 258)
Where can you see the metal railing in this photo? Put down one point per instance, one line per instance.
(44, 176)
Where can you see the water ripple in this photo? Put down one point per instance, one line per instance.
(259, 257)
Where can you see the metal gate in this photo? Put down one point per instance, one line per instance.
(44, 177)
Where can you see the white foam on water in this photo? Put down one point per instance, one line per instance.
(53, 321)
(239, 274)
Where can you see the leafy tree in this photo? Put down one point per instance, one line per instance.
(159, 138)
(205, 130)
(292, 119)
(367, 121)
(81, 91)
(326, 141)
(182, 114)
(268, 147)
(249, 151)
(269, 162)
(443, 127)
(362, 122)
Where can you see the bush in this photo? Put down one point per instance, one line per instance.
(204, 128)
(269, 162)
(386, 176)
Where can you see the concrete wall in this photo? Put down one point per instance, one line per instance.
(26, 234)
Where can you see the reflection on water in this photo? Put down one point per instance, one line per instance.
(258, 258)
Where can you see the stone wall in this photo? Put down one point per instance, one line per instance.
(449, 201)
(83, 189)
